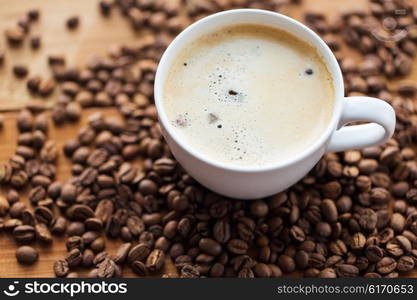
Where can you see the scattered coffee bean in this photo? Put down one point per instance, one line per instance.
(73, 22)
(33, 14)
(106, 269)
(155, 260)
(15, 35)
(74, 257)
(35, 42)
(24, 234)
(61, 268)
(20, 71)
(26, 255)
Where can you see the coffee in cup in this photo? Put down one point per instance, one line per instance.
(249, 94)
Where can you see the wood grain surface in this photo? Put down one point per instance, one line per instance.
(94, 36)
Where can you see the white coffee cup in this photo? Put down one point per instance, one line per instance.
(248, 182)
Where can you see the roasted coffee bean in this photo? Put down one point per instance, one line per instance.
(397, 222)
(19, 179)
(405, 264)
(74, 257)
(327, 273)
(17, 162)
(286, 263)
(170, 229)
(357, 241)
(139, 268)
(105, 7)
(56, 59)
(404, 243)
(33, 14)
(148, 187)
(75, 228)
(20, 71)
(316, 260)
(75, 242)
(58, 225)
(17, 209)
(113, 227)
(106, 269)
(237, 246)
(346, 271)
(10, 224)
(26, 255)
(89, 237)
(54, 190)
(70, 147)
(259, 209)
(297, 234)
(333, 260)
(68, 193)
(386, 265)
(246, 273)
(82, 212)
(210, 246)
(45, 88)
(42, 233)
(262, 270)
(302, 259)
(24, 234)
(23, 152)
(88, 257)
(61, 268)
(180, 203)
(329, 210)
(368, 219)
(155, 260)
(35, 42)
(98, 245)
(217, 270)
(323, 229)
(41, 180)
(94, 224)
(152, 219)
(4, 206)
(139, 252)
(374, 253)
(122, 253)
(58, 115)
(394, 249)
(27, 217)
(25, 120)
(135, 225)
(12, 196)
(104, 210)
(80, 155)
(97, 158)
(100, 257)
(189, 271)
(44, 215)
(73, 22)
(15, 35)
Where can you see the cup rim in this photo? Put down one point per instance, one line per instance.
(330, 60)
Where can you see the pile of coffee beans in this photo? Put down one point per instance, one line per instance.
(353, 215)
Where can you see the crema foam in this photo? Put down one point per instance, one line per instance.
(249, 95)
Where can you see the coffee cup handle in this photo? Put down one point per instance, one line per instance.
(379, 113)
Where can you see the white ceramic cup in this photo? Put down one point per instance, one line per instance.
(249, 182)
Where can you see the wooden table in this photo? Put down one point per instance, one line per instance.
(94, 35)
